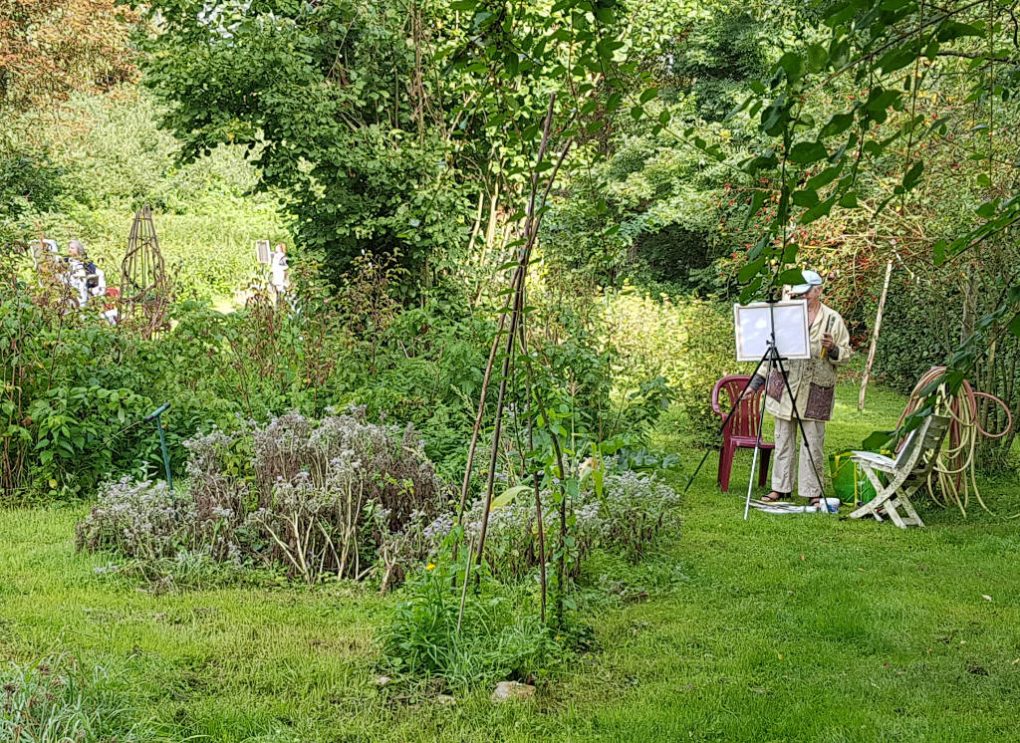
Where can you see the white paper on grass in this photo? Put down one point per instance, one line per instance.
(753, 325)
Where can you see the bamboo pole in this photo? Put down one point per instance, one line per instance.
(874, 337)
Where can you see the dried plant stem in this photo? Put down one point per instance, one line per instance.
(531, 225)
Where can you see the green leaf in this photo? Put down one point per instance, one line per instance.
(818, 211)
(848, 200)
(950, 30)
(649, 94)
(792, 64)
(807, 197)
(987, 210)
(825, 177)
(508, 496)
(840, 13)
(817, 56)
(775, 116)
(1014, 325)
(879, 100)
(912, 176)
(805, 153)
(838, 124)
(751, 290)
(939, 252)
(750, 270)
(757, 200)
(878, 440)
(898, 58)
(791, 276)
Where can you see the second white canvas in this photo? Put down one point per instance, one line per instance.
(753, 326)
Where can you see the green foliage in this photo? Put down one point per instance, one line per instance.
(332, 499)
(65, 398)
(715, 58)
(340, 114)
(77, 387)
(30, 180)
(499, 635)
(57, 701)
(108, 159)
(689, 342)
(874, 142)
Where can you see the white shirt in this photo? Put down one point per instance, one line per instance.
(278, 269)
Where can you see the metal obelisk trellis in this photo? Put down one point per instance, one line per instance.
(144, 293)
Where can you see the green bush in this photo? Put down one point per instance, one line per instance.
(336, 498)
(687, 341)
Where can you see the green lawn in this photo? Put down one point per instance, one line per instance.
(780, 628)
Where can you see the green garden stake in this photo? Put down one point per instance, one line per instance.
(155, 415)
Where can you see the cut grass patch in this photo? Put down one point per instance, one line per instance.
(803, 627)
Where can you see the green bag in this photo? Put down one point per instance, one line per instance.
(849, 482)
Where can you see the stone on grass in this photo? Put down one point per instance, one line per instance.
(509, 690)
(445, 700)
(382, 681)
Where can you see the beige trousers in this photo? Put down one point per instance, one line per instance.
(808, 485)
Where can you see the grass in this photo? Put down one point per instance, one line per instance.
(780, 628)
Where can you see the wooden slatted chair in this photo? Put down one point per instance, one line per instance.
(906, 474)
(742, 430)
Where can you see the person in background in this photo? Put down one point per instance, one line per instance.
(85, 276)
(813, 384)
(278, 277)
(76, 273)
(110, 311)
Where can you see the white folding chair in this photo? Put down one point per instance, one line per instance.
(906, 474)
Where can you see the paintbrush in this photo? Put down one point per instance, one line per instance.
(828, 328)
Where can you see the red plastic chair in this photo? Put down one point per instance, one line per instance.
(742, 429)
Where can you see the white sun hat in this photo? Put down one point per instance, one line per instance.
(811, 280)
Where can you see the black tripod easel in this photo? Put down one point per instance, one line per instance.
(773, 361)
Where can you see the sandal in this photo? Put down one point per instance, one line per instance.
(774, 497)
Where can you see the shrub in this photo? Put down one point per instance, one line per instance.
(340, 497)
(626, 514)
(634, 511)
(143, 520)
(63, 396)
(687, 341)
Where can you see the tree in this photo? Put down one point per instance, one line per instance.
(51, 48)
(341, 107)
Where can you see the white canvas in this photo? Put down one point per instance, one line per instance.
(753, 323)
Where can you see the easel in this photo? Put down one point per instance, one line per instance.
(773, 360)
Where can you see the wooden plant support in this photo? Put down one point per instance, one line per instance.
(144, 290)
(874, 337)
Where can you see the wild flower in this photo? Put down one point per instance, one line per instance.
(137, 519)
